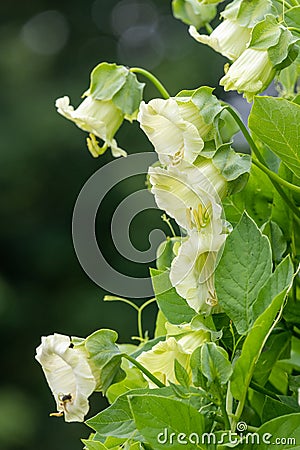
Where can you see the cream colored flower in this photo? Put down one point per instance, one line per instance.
(229, 38)
(250, 74)
(192, 270)
(175, 129)
(68, 374)
(187, 192)
(160, 360)
(101, 119)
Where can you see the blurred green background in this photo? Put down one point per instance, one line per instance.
(48, 49)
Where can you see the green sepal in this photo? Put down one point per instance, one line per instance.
(192, 12)
(234, 167)
(129, 97)
(117, 83)
(248, 13)
(106, 357)
(265, 34)
(284, 52)
(106, 80)
(203, 98)
(166, 252)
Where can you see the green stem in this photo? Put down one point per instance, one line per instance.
(225, 415)
(277, 178)
(285, 3)
(256, 387)
(209, 28)
(140, 310)
(120, 299)
(144, 370)
(165, 94)
(261, 159)
(294, 29)
(168, 222)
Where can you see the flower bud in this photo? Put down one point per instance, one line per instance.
(250, 74)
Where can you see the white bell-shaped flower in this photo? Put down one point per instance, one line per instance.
(68, 374)
(187, 192)
(229, 38)
(174, 129)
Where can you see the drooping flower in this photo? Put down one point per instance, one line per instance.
(250, 74)
(101, 119)
(68, 374)
(229, 38)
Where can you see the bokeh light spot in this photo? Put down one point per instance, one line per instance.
(46, 33)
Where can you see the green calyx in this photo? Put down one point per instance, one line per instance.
(118, 84)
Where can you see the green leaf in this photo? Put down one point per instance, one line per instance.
(106, 80)
(285, 428)
(281, 213)
(215, 364)
(274, 408)
(244, 267)
(256, 198)
(174, 307)
(273, 349)
(276, 122)
(197, 375)
(116, 420)
(106, 357)
(278, 282)
(292, 18)
(181, 374)
(129, 97)
(93, 445)
(157, 417)
(134, 380)
(287, 79)
(276, 238)
(254, 344)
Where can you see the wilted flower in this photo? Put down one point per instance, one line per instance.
(68, 374)
(250, 74)
(101, 119)
(229, 38)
